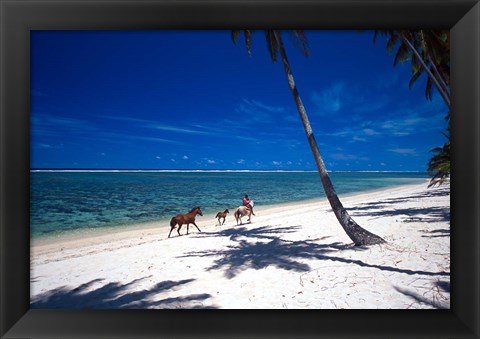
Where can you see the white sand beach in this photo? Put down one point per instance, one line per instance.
(294, 256)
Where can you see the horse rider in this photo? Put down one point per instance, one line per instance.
(248, 203)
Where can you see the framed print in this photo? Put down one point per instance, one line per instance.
(157, 176)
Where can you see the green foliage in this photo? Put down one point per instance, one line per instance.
(439, 164)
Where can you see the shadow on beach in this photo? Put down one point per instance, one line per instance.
(386, 207)
(431, 214)
(117, 296)
(262, 247)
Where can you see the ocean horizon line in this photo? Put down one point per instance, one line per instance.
(210, 170)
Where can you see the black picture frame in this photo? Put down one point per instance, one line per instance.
(18, 17)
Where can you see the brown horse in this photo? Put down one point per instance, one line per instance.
(188, 219)
(222, 215)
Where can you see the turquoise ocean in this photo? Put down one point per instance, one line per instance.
(67, 202)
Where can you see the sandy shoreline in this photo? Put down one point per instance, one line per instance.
(290, 256)
(101, 235)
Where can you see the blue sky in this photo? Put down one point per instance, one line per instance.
(194, 100)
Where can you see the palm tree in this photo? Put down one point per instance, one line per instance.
(439, 164)
(435, 48)
(428, 51)
(357, 234)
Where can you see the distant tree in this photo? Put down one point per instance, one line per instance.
(357, 234)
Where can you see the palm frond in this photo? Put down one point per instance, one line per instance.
(439, 164)
(234, 35)
(439, 179)
(415, 77)
(377, 33)
(300, 40)
(247, 33)
(391, 43)
(272, 44)
(403, 54)
(446, 134)
(248, 40)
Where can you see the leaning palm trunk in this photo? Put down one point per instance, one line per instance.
(357, 234)
(440, 89)
(439, 76)
(428, 55)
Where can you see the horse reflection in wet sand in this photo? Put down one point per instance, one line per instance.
(242, 211)
(188, 219)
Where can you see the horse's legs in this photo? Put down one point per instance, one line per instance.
(236, 215)
(171, 229)
(178, 229)
(196, 226)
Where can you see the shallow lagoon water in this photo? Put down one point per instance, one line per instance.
(63, 202)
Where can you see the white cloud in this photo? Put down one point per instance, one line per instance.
(51, 125)
(153, 124)
(409, 123)
(168, 128)
(370, 132)
(210, 161)
(343, 157)
(116, 137)
(265, 107)
(330, 100)
(292, 118)
(257, 111)
(41, 145)
(404, 151)
(364, 106)
(355, 138)
(185, 157)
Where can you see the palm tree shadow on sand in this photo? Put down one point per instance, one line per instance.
(386, 207)
(262, 247)
(117, 296)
